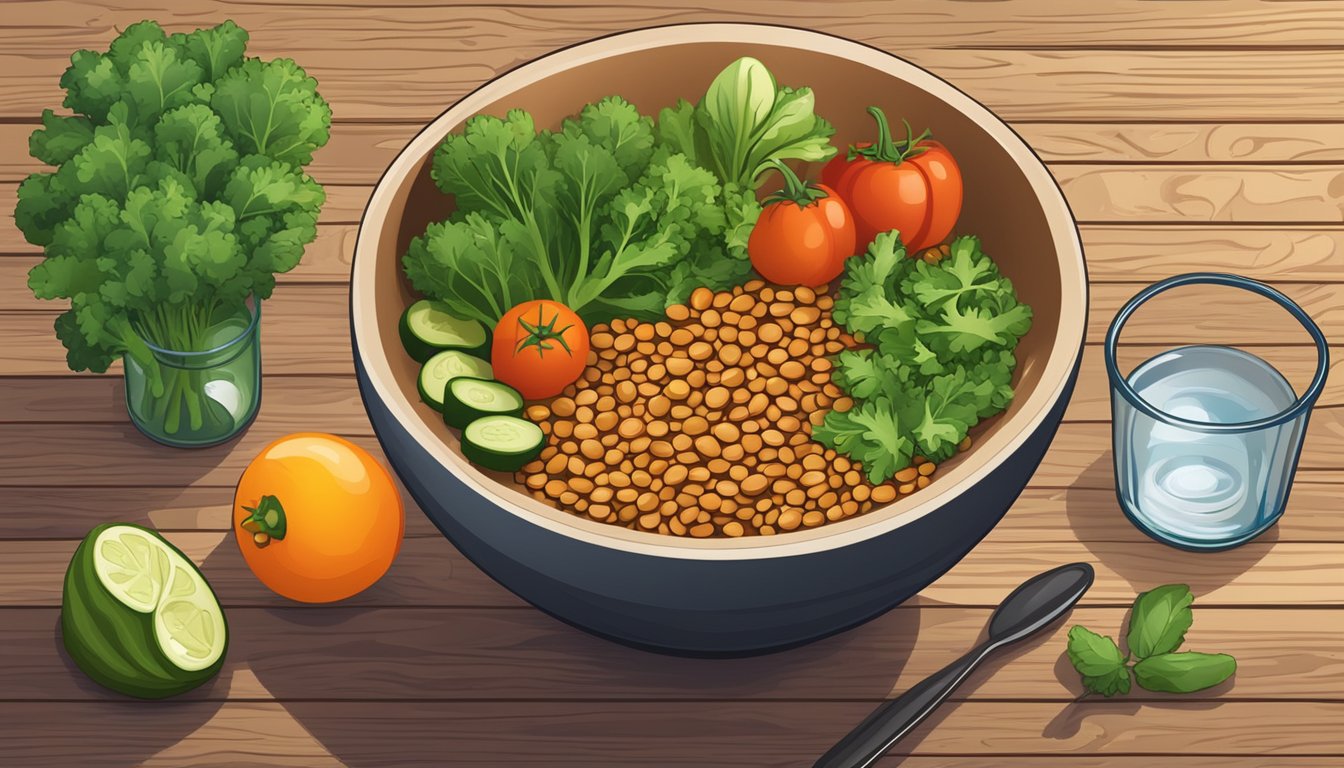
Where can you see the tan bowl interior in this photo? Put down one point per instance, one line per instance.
(1011, 203)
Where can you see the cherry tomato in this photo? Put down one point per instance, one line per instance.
(540, 347)
(317, 518)
(803, 236)
(913, 187)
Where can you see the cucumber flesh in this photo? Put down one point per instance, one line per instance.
(502, 443)
(443, 368)
(467, 398)
(429, 327)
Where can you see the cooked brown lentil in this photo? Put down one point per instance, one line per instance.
(700, 425)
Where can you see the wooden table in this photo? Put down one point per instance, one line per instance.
(1185, 135)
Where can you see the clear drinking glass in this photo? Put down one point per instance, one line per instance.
(1207, 437)
(194, 399)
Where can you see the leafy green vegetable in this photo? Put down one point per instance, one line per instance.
(1099, 661)
(610, 215)
(941, 352)
(1184, 672)
(178, 193)
(744, 122)
(591, 215)
(1159, 621)
(1157, 627)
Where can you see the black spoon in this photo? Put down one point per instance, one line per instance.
(1031, 607)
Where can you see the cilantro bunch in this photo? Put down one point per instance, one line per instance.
(939, 355)
(178, 192)
(1157, 626)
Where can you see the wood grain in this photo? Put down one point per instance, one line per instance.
(412, 64)
(1203, 193)
(1202, 143)
(430, 572)
(414, 734)
(1267, 253)
(381, 654)
(294, 25)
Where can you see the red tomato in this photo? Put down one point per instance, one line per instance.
(913, 187)
(803, 236)
(540, 347)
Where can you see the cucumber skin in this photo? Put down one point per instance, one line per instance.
(497, 462)
(459, 415)
(424, 396)
(97, 629)
(420, 383)
(420, 351)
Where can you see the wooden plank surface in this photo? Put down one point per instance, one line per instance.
(716, 733)
(1185, 136)
(432, 654)
(413, 68)
(430, 572)
(298, 25)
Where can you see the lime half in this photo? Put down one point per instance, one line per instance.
(136, 615)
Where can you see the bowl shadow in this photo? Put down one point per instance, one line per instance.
(541, 662)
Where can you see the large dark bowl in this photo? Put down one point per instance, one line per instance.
(730, 596)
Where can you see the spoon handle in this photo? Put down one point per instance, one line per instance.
(893, 719)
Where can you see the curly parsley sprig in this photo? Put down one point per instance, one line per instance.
(939, 355)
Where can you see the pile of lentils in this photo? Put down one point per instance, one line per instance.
(700, 425)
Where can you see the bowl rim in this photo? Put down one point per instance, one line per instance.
(1055, 378)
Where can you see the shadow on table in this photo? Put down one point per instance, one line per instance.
(1143, 563)
(903, 749)
(105, 727)
(116, 730)
(539, 659)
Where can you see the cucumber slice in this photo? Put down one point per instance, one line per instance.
(428, 327)
(467, 398)
(502, 443)
(137, 617)
(443, 368)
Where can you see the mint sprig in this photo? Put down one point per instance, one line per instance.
(1157, 626)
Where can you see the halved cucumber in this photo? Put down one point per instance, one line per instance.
(136, 615)
(443, 368)
(502, 443)
(467, 398)
(428, 327)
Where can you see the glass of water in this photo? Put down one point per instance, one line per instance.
(1207, 437)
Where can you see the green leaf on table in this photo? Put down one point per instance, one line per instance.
(1159, 621)
(1098, 659)
(1184, 672)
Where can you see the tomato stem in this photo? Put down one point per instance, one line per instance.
(543, 333)
(885, 150)
(266, 521)
(795, 190)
